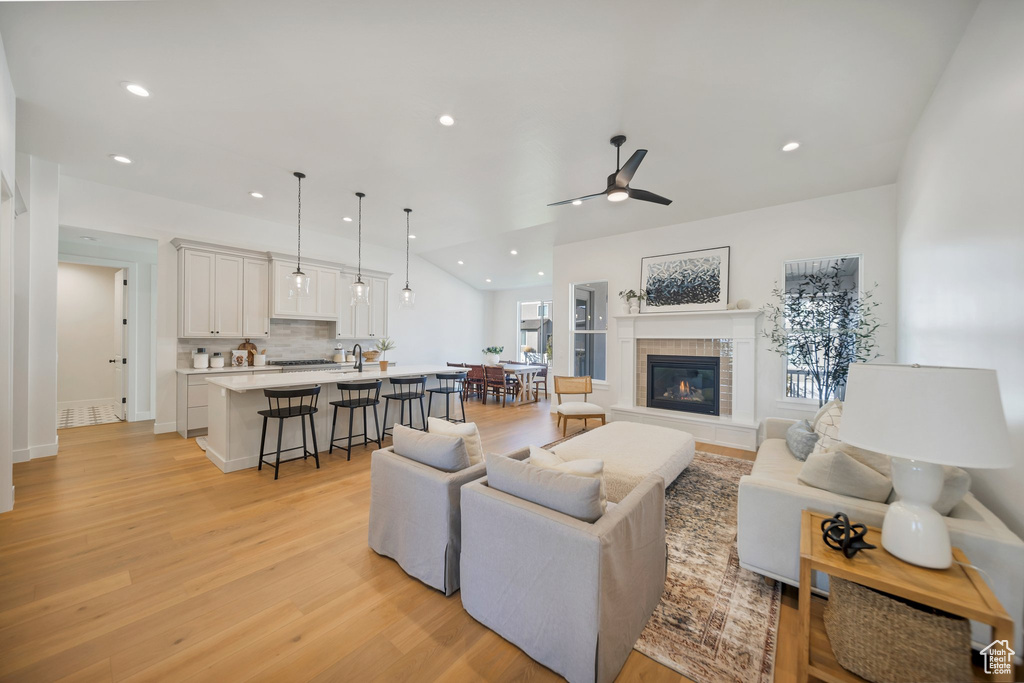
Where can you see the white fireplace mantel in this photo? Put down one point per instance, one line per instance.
(740, 326)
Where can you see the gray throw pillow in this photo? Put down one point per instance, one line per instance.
(801, 437)
(578, 497)
(838, 472)
(956, 483)
(446, 453)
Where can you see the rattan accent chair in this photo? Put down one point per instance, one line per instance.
(576, 410)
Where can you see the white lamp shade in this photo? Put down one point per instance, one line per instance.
(360, 292)
(406, 299)
(946, 416)
(299, 285)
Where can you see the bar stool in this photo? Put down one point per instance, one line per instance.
(448, 383)
(407, 390)
(300, 403)
(355, 396)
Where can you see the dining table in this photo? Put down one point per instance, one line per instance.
(527, 374)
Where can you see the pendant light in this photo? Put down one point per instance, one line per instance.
(360, 290)
(299, 285)
(407, 298)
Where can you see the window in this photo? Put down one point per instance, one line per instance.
(535, 332)
(822, 306)
(590, 330)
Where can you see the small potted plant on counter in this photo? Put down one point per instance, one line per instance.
(631, 300)
(492, 354)
(384, 344)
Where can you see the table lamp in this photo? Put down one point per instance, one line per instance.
(924, 417)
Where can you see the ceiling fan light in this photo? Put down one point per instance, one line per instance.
(618, 195)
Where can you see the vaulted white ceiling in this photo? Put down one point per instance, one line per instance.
(244, 92)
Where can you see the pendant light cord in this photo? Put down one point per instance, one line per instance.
(298, 261)
(359, 247)
(407, 212)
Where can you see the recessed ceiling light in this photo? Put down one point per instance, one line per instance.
(256, 195)
(88, 239)
(120, 158)
(790, 146)
(412, 237)
(447, 120)
(135, 89)
(618, 195)
(347, 219)
(577, 202)
(513, 252)
(540, 272)
(460, 263)
(488, 279)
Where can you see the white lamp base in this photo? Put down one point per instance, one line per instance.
(912, 530)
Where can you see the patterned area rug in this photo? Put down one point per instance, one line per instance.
(86, 417)
(716, 621)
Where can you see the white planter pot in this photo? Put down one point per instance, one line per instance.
(634, 307)
(491, 358)
(625, 307)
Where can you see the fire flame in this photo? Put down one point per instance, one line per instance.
(684, 388)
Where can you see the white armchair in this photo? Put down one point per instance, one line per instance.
(574, 596)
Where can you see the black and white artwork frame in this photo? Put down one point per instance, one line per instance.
(686, 281)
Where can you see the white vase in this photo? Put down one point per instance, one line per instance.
(491, 358)
(625, 307)
(634, 307)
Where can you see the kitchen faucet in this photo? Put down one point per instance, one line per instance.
(359, 357)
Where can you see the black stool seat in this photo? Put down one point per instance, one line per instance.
(285, 413)
(449, 383)
(284, 404)
(356, 396)
(406, 390)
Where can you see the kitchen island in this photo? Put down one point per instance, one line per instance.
(233, 441)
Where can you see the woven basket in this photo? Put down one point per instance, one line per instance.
(883, 638)
(370, 356)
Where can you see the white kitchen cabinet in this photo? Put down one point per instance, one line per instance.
(322, 302)
(191, 406)
(370, 321)
(346, 321)
(209, 294)
(256, 298)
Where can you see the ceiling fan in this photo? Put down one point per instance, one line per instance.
(618, 183)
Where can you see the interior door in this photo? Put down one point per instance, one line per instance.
(120, 344)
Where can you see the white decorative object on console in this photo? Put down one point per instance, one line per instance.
(924, 417)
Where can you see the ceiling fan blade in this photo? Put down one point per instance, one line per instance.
(625, 174)
(645, 196)
(578, 199)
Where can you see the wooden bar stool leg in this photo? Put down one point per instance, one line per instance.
(316, 449)
(302, 428)
(334, 423)
(386, 405)
(377, 425)
(280, 433)
(263, 442)
(423, 416)
(351, 419)
(366, 431)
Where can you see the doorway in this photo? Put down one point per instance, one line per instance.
(535, 332)
(92, 323)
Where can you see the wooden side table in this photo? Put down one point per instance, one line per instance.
(958, 590)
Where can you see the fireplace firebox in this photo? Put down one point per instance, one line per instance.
(686, 383)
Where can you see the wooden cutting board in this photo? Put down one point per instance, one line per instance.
(250, 347)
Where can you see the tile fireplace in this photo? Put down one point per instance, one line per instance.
(685, 383)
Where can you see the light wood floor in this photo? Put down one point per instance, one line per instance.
(130, 556)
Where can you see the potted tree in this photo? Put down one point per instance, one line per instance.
(492, 354)
(384, 344)
(821, 327)
(631, 299)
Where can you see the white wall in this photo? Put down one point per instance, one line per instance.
(7, 188)
(761, 241)
(86, 335)
(961, 229)
(446, 322)
(502, 322)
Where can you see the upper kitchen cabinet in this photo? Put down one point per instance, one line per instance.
(322, 302)
(363, 321)
(221, 293)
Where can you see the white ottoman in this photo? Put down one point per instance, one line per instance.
(630, 452)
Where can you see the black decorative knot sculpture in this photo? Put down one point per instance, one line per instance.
(839, 534)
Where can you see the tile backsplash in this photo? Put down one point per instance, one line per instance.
(288, 340)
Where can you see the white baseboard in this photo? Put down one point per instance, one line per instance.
(42, 451)
(164, 427)
(4, 505)
(143, 416)
(22, 454)
(86, 403)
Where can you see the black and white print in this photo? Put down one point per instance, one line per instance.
(687, 281)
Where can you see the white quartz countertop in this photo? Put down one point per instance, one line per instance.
(300, 379)
(188, 370)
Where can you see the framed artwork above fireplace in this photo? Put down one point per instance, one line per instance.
(685, 281)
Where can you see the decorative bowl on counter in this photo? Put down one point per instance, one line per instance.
(370, 355)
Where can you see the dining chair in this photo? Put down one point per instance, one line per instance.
(495, 383)
(475, 381)
(540, 381)
(576, 410)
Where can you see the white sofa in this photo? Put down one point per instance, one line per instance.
(768, 527)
